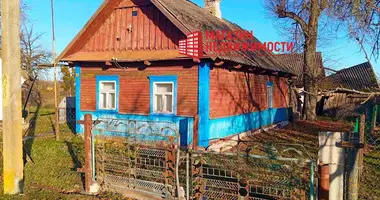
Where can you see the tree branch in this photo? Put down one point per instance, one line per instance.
(282, 13)
(363, 49)
(374, 6)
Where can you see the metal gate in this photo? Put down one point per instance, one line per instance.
(137, 157)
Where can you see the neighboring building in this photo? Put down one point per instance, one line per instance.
(360, 77)
(296, 62)
(128, 67)
(348, 88)
(66, 110)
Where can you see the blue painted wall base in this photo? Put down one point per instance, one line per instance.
(183, 124)
(232, 125)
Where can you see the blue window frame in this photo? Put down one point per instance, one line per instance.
(270, 94)
(107, 93)
(163, 95)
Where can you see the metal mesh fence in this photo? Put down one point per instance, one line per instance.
(370, 172)
(253, 171)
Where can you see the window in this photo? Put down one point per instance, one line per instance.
(163, 98)
(270, 94)
(107, 100)
(107, 93)
(163, 95)
(134, 13)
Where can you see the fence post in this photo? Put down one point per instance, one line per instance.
(374, 116)
(187, 174)
(87, 168)
(353, 170)
(311, 191)
(361, 141)
(324, 181)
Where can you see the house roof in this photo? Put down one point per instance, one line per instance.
(194, 18)
(187, 17)
(296, 62)
(360, 77)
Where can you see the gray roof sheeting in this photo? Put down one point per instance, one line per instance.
(195, 18)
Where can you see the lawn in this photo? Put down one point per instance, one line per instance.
(50, 171)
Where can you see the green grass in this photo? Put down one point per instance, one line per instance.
(368, 187)
(50, 172)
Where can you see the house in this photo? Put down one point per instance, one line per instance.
(296, 62)
(128, 66)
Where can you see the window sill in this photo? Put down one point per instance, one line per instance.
(107, 110)
(163, 114)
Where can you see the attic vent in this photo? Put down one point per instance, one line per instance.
(134, 13)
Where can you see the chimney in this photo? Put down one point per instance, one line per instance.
(213, 6)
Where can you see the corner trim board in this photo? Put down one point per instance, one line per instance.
(203, 104)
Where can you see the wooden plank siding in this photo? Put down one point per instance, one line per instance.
(134, 92)
(233, 93)
(149, 30)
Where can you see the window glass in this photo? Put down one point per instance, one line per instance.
(108, 86)
(164, 88)
(103, 100)
(107, 95)
(159, 103)
(169, 103)
(112, 100)
(163, 97)
(270, 96)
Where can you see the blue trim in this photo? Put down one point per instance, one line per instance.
(107, 78)
(183, 124)
(78, 114)
(270, 83)
(164, 78)
(227, 126)
(203, 104)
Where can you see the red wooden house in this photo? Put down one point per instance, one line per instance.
(128, 66)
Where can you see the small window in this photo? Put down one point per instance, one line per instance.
(163, 98)
(134, 13)
(270, 96)
(107, 96)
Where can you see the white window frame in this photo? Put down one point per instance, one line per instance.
(107, 95)
(270, 96)
(164, 97)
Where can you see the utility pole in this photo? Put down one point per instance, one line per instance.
(12, 122)
(55, 73)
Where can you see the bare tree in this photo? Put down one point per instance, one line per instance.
(305, 15)
(363, 21)
(32, 52)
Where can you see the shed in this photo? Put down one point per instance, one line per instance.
(66, 110)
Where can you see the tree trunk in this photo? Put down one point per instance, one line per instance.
(311, 71)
